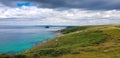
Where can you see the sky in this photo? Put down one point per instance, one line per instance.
(59, 12)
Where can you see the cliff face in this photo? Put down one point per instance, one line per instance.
(80, 42)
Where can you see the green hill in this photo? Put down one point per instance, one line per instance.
(79, 42)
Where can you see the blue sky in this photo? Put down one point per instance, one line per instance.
(21, 4)
(59, 12)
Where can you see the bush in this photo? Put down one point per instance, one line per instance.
(19, 56)
(54, 51)
(5, 56)
(46, 51)
(89, 50)
(12, 56)
(60, 51)
(75, 52)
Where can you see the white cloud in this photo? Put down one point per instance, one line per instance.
(45, 16)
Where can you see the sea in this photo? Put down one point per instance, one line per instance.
(17, 39)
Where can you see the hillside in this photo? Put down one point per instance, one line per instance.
(79, 42)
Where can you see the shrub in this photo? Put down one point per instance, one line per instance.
(60, 51)
(20, 56)
(46, 51)
(75, 52)
(54, 51)
(4, 56)
(89, 50)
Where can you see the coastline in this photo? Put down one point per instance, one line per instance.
(58, 34)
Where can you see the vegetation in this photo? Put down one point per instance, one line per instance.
(78, 42)
(12, 56)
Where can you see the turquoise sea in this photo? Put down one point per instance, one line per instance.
(16, 40)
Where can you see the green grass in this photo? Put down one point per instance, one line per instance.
(66, 43)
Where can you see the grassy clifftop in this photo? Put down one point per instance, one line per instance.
(80, 42)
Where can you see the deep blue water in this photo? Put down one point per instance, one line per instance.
(16, 40)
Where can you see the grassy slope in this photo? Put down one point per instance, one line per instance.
(81, 42)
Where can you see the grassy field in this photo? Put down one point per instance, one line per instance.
(79, 42)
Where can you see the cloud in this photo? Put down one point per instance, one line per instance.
(33, 15)
(84, 4)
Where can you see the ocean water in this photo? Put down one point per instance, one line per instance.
(16, 40)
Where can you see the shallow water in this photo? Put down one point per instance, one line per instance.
(17, 40)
